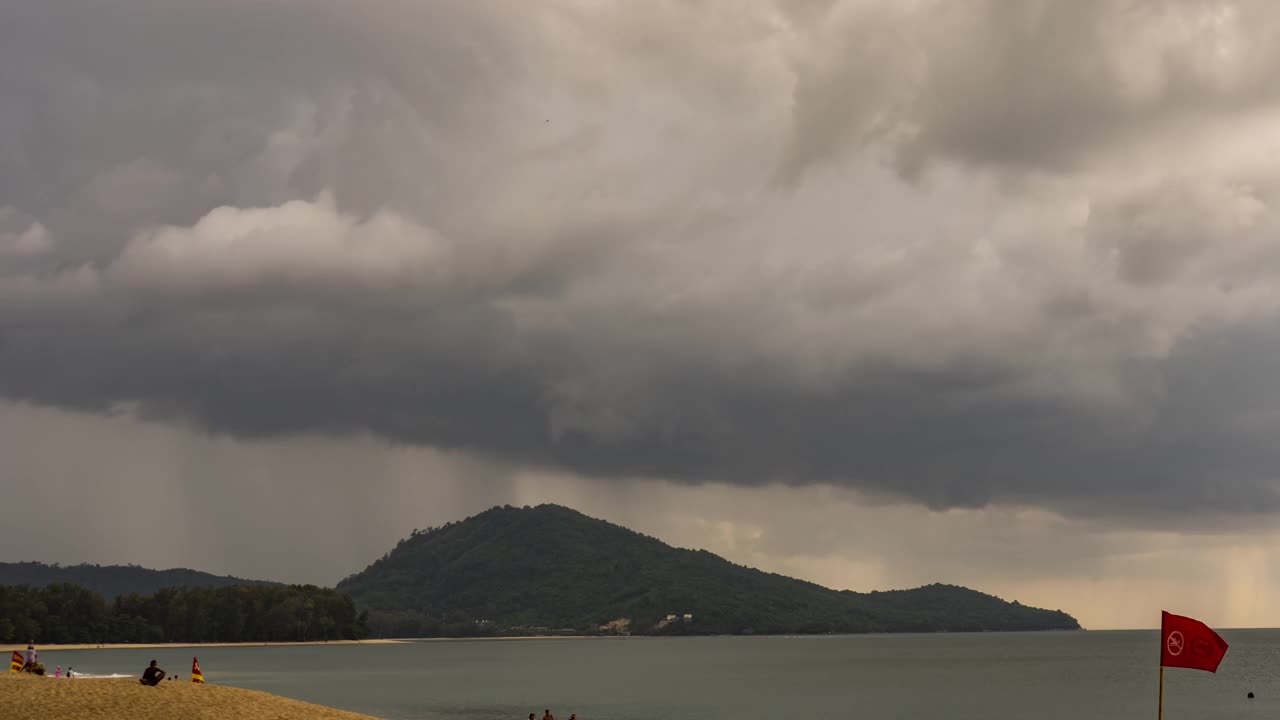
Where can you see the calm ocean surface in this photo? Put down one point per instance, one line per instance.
(1072, 676)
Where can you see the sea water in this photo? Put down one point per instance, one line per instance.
(989, 676)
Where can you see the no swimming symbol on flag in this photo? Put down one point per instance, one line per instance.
(1189, 643)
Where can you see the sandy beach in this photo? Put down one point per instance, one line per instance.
(118, 646)
(27, 697)
(510, 637)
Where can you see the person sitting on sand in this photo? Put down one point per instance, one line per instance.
(152, 675)
(58, 673)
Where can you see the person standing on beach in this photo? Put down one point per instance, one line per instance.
(68, 672)
(546, 715)
(32, 655)
(58, 673)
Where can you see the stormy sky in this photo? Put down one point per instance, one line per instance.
(868, 292)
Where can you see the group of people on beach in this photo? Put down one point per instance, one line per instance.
(31, 663)
(150, 676)
(546, 715)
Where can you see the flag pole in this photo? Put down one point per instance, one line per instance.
(1160, 662)
(1160, 706)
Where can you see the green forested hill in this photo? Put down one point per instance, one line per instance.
(112, 580)
(549, 568)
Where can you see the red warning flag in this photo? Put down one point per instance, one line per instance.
(196, 675)
(1188, 643)
(16, 663)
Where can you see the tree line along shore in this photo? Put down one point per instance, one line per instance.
(63, 613)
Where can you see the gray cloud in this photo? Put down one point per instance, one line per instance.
(1034, 86)
(1019, 257)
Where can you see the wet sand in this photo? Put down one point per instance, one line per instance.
(28, 697)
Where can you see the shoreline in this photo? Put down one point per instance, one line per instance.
(504, 637)
(160, 646)
(400, 641)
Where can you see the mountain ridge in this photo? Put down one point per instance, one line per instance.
(527, 570)
(113, 580)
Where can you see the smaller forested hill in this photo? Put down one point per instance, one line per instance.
(550, 568)
(112, 580)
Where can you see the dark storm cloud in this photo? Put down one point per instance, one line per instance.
(553, 235)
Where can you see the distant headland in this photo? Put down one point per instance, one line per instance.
(532, 571)
(552, 570)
